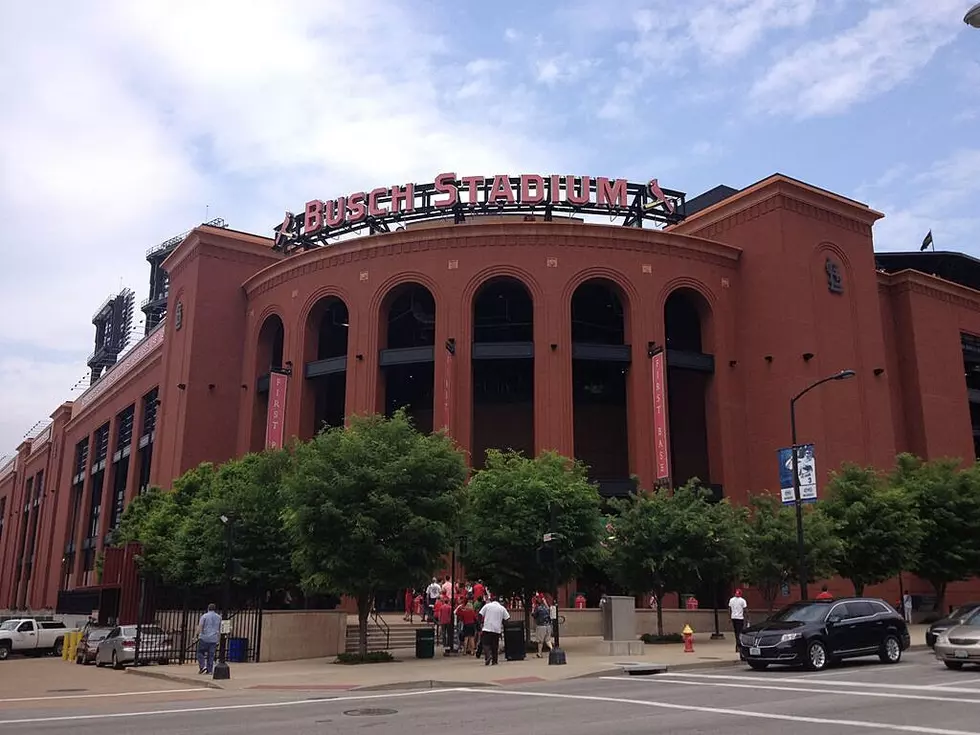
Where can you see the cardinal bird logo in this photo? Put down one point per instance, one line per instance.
(658, 195)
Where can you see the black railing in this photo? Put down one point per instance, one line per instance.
(383, 626)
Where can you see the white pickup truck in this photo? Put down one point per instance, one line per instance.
(31, 637)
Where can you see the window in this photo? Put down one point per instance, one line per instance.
(858, 609)
(150, 411)
(101, 442)
(81, 456)
(124, 437)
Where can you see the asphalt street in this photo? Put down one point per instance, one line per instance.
(917, 696)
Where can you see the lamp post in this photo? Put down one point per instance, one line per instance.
(556, 656)
(972, 17)
(221, 668)
(800, 547)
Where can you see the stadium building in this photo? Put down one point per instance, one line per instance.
(652, 336)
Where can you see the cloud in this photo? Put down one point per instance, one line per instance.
(942, 198)
(563, 69)
(887, 46)
(131, 119)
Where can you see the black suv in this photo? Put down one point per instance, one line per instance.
(820, 632)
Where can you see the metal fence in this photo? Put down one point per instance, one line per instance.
(169, 617)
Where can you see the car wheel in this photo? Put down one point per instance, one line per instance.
(816, 656)
(954, 665)
(891, 650)
(115, 661)
(4, 653)
(758, 665)
(59, 647)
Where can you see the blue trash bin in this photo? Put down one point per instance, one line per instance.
(237, 650)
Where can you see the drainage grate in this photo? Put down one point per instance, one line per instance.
(65, 691)
(370, 712)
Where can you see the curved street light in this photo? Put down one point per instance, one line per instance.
(972, 17)
(800, 547)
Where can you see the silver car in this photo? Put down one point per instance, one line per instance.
(960, 644)
(119, 647)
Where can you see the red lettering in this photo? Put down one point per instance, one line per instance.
(403, 199)
(446, 184)
(611, 193)
(555, 189)
(375, 209)
(336, 212)
(501, 189)
(577, 198)
(526, 196)
(470, 183)
(356, 206)
(314, 217)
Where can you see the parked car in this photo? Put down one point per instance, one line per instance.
(954, 618)
(118, 648)
(819, 633)
(960, 644)
(30, 636)
(88, 645)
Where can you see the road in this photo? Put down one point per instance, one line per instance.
(917, 696)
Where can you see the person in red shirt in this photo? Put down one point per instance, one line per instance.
(409, 605)
(467, 616)
(444, 616)
(479, 591)
(824, 594)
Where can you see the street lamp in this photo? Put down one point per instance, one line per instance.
(800, 547)
(972, 17)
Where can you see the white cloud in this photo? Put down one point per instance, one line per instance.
(942, 198)
(882, 50)
(130, 119)
(728, 29)
(563, 69)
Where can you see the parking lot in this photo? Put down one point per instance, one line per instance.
(917, 696)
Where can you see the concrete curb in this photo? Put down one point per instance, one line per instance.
(425, 684)
(209, 683)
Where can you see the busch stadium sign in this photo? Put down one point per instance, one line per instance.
(449, 195)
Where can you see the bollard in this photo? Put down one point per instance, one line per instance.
(688, 634)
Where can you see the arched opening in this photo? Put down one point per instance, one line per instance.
(325, 365)
(689, 373)
(503, 369)
(268, 357)
(408, 359)
(600, 362)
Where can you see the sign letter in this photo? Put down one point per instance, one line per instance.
(526, 196)
(501, 189)
(314, 217)
(375, 209)
(446, 184)
(611, 193)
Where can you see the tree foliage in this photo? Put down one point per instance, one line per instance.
(947, 503)
(371, 506)
(511, 503)
(773, 558)
(668, 541)
(875, 522)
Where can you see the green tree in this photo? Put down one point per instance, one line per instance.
(947, 504)
(772, 548)
(875, 522)
(372, 506)
(666, 541)
(511, 503)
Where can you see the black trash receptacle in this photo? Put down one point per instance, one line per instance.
(425, 643)
(514, 647)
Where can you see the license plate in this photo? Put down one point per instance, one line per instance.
(959, 653)
(755, 651)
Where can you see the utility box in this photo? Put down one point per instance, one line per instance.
(619, 627)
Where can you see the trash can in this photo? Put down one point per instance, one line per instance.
(237, 650)
(425, 642)
(514, 647)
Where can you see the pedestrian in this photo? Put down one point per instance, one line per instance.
(825, 594)
(444, 617)
(431, 595)
(907, 607)
(208, 634)
(493, 614)
(467, 617)
(737, 606)
(409, 605)
(542, 623)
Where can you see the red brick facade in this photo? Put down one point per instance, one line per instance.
(754, 266)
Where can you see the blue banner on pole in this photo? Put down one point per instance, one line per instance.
(806, 467)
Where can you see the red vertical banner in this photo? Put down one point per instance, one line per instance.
(274, 427)
(660, 435)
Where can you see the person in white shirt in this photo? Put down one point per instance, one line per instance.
(493, 614)
(737, 606)
(431, 595)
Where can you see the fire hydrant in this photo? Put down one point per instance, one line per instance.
(688, 634)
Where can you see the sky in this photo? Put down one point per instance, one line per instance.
(126, 123)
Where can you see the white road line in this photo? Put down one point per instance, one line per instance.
(108, 694)
(884, 726)
(227, 707)
(853, 669)
(665, 679)
(825, 683)
(956, 683)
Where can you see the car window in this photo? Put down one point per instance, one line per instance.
(859, 609)
(26, 627)
(114, 633)
(964, 611)
(881, 607)
(9, 625)
(52, 626)
(97, 635)
(973, 618)
(801, 613)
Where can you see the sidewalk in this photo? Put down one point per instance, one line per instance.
(409, 672)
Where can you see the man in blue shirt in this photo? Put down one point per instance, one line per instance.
(208, 634)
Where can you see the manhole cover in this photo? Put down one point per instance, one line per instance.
(64, 691)
(370, 712)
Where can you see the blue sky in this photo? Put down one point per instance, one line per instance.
(133, 121)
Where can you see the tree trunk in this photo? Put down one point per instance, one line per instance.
(363, 610)
(858, 588)
(659, 595)
(940, 589)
